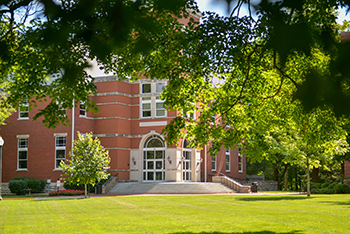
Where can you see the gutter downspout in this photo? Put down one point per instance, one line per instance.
(205, 163)
(73, 122)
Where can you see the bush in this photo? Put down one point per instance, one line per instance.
(341, 188)
(326, 191)
(91, 189)
(18, 186)
(35, 185)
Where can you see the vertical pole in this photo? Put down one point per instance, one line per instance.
(73, 122)
(1, 144)
(205, 163)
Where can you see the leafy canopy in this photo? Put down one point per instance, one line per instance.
(88, 161)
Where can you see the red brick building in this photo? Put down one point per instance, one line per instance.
(129, 126)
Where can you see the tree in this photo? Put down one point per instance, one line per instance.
(46, 46)
(88, 162)
(224, 66)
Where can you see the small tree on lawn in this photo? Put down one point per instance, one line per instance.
(88, 161)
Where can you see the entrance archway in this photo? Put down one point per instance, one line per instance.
(154, 159)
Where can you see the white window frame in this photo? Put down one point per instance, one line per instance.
(240, 160)
(82, 109)
(59, 147)
(155, 89)
(159, 87)
(145, 101)
(227, 160)
(144, 84)
(160, 101)
(213, 160)
(23, 110)
(20, 148)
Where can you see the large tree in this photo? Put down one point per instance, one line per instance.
(223, 67)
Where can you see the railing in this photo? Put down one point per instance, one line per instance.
(109, 184)
(229, 182)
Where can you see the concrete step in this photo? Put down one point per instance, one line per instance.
(169, 188)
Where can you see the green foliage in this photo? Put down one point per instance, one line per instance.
(341, 188)
(36, 186)
(88, 162)
(18, 186)
(91, 188)
(329, 188)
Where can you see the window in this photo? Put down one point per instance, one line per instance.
(160, 110)
(227, 152)
(213, 160)
(151, 104)
(60, 151)
(186, 161)
(23, 110)
(22, 153)
(160, 87)
(146, 107)
(82, 110)
(146, 88)
(240, 160)
(154, 159)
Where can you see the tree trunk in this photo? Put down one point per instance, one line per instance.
(85, 190)
(308, 178)
(275, 174)
(315, 176)
(286, 180)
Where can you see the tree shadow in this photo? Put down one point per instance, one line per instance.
(339, 203)
(57, 198)
(273, 198)
(255, 232)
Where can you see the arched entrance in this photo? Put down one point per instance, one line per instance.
(153, 159)
(186, 161)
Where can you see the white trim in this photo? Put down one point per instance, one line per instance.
(22, 136)
(228, 153)
(60, 134)
(153, 124)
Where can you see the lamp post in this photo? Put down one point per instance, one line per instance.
(1, 144)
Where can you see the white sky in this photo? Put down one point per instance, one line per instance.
(220, 6)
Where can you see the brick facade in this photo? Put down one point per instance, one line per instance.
(122, 130)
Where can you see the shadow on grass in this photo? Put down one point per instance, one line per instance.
(57, 198)
(273, 198)
(337, 203)
(257, 232)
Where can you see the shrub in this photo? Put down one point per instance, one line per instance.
(35, 185)
(91, 189)
(341, 188)
(18, 186)
(326, 191)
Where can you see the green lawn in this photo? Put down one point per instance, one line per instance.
(178, 214)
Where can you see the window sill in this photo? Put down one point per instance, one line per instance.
(22, 170)
(241, 172)
(57, 169)
(27, 118)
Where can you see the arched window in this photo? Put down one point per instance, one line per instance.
(154, 159)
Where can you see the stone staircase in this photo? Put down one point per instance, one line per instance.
(169, 188)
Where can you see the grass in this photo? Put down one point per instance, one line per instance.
(219, 214)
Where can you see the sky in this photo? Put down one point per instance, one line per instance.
(220, 6)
